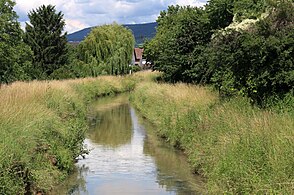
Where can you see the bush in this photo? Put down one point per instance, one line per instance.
(253, 59)
(257, 63)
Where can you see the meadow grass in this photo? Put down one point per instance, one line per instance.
(42, 128)
(239, 148)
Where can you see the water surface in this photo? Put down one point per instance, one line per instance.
(126, 157)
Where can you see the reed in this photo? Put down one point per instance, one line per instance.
(239, 148)
(42, 128)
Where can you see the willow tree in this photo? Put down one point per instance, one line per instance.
(107, 49)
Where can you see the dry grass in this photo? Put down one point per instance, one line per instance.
(238, 147)
(188, 95)
(42, 126)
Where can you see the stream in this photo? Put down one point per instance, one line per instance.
(126, 157)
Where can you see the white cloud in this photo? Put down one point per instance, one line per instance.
(191, 2)
(73, 25)
(79, 14)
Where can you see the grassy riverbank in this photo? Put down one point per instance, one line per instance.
(239, 148)
(42, 127)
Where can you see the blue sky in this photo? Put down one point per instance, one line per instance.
(80, 14)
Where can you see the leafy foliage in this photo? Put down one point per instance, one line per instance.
(249, 8)
(45, 36)
(207, 46)
(257, 63)
(106, 50)
(14, 54)
(220, 13)
(180, 29)
(183, 33)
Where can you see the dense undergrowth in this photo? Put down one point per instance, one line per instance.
(42, 128)
(239, 148)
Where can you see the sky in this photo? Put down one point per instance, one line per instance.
(79, 14)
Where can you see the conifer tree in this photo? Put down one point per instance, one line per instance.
(45, 36)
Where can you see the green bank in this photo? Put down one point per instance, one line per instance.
(42, 128)
(238, 148)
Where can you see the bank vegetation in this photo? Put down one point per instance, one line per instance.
(237, 147)
(43, 125)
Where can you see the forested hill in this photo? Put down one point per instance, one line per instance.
(140, 31)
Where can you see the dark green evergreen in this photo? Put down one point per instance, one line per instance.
(44, 34)
(14, 54)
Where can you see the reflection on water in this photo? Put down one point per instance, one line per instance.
(114, 127)
(172, 166)
(124, 160)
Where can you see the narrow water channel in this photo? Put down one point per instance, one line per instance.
(126, 157)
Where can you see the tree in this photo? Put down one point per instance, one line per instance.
(220, 13)
(249, 8)
(107, 49)
(257, 62)
(180, 31)
(194, 45)
(14, 54)
(45, 36)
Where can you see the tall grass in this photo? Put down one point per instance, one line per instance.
(42, 127)
(239, 148)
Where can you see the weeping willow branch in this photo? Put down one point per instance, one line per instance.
(108, 49)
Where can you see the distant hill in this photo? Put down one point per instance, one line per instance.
(140, 31)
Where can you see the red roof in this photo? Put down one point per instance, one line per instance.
(138, 53)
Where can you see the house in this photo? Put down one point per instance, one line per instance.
(138, 57)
